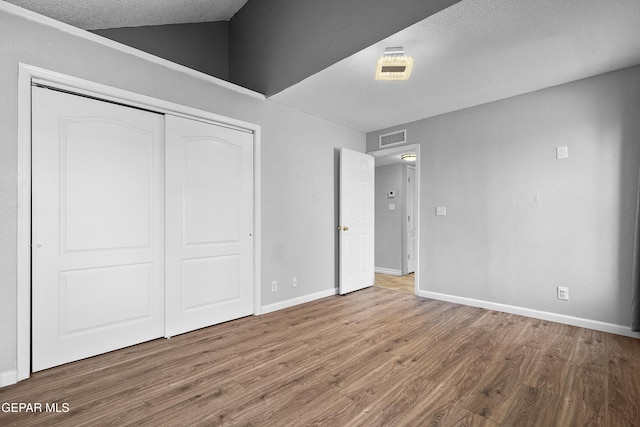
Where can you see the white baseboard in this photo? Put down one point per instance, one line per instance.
(390, 271)
(8, 378)
(536, 314)
(296, 301)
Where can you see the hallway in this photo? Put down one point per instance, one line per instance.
(397, 283)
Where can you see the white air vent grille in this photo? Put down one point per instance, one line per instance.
(394, 138)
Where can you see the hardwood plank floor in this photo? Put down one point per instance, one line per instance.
(375, 357)
(404, 284)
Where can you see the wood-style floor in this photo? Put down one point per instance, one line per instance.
(375, 357)
(404, 284)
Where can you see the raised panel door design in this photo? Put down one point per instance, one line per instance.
(209, 221)
(97, 227)
(88, 297)
(356, 221)
(211, 281)
(212, 191)
(98, 159)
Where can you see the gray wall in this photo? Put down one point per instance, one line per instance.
(275, 44)
(388, 238)
(519, 222)
(203, 46)
(298, 160)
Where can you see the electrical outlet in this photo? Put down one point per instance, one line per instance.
(294, 281)
(274, 286)
(563, 293)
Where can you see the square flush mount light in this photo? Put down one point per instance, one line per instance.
(394, 65)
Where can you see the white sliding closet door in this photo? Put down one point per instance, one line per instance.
(209, 221)
(97, 219)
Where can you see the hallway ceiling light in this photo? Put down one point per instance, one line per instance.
(393, 65)
(408, 157)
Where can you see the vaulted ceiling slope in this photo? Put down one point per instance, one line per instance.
(475, 52)
(201, 46)
(100, 14)
(319, 56)
(277, 43)
(273, 44)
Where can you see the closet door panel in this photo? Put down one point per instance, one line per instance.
(209, 211)
(97, 219)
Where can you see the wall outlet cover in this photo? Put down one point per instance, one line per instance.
(563, 293)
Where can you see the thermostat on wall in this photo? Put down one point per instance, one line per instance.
(391, 194)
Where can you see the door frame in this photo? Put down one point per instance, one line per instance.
(28, 74)
(399, 150)
(406, 229)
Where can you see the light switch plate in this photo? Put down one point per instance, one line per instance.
(441, 211)
(562, 152)
(392, 206)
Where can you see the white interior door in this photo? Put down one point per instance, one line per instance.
(356, 220)
(411, 219)
(209, 220)
(97, 280)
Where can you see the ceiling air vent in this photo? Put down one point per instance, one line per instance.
(394, 138)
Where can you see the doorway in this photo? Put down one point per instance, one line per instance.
(397, 218)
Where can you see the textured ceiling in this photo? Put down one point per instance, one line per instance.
(100, 14)
(392, 159)
(474, 52)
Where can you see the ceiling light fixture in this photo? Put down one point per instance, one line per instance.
(408, 157)
(394, 65)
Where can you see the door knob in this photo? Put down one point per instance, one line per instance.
(345, 228)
